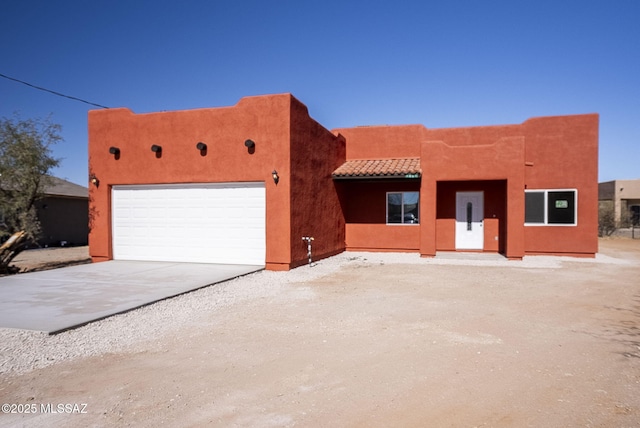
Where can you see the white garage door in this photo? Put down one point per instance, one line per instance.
(198, 223)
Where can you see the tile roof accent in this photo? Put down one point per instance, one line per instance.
(379, 168)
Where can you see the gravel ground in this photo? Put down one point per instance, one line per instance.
(22, 351)
(360, 339)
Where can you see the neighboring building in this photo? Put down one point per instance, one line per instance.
(244, 184)
(624, 197)
(63, 213)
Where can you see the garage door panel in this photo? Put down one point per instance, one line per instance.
(205, 223)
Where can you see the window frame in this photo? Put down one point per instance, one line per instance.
(546, 207)
(402, 223)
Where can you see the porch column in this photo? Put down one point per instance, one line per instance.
(427, 216)
(515, 217)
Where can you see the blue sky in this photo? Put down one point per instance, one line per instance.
(437, 63)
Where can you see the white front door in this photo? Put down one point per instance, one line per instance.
(469, 220)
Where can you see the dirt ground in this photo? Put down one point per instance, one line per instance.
(51, 258)
(380, 345)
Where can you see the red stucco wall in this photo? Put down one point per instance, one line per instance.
(267, 120)
(562, 152)
(364, 204)
(501, 161)
(541, 153)
(314, 201)
(448, 157)
(382, 142)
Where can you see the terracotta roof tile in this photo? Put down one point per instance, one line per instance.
(379, 168)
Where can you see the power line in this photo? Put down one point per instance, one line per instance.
(52, 92)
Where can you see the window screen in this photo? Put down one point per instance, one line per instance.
(534, 207)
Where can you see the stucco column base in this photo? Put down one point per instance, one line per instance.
(427, 256)
(278, 266)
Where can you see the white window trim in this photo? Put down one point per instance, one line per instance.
(387, 209)
(546, 200)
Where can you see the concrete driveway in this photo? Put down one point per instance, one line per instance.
(57, 300)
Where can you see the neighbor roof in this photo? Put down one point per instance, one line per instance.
(379, 168)
(59, 187)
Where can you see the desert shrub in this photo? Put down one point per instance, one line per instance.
(606, 221)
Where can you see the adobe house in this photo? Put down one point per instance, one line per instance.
(244, 184)
(623, 196)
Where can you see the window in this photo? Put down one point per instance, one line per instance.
(550, 207)
(634, 214)
(402, 207)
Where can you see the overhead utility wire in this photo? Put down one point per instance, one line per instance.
(53, 92)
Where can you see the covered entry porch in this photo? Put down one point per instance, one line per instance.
(380, 200)
(471, 216)
(473, 189)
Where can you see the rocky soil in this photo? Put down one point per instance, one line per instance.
(361, 339)
(51, 258)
